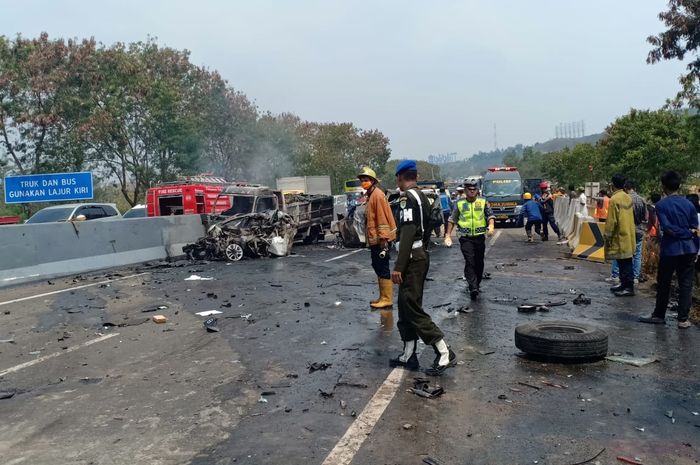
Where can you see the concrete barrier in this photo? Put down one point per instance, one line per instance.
(591, 242)
(30, 252)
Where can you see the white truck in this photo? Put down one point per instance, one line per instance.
(305, 185)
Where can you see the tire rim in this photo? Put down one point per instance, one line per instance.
(234, 252)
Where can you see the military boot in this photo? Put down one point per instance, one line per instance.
(409, 358)
(444, 359)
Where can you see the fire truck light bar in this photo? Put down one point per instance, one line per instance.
(504, 168)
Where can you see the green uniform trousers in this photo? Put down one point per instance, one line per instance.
(413, 322)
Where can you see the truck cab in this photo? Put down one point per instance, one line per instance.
(503, 189)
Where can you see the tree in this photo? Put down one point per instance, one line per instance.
(644, 144)
(682, 37)
(425, 171)
(41, 87)
(147, 115)
(570, 166)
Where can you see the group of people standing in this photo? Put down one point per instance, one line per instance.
(538, 212)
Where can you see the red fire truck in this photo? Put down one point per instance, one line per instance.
(192, 195)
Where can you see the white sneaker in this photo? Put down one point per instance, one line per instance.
(612, 280)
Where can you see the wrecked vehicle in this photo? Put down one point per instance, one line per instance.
(350, 230)
(264, 234)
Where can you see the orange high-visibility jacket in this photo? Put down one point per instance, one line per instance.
(380, 220)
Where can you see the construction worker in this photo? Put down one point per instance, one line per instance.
(410, 271)
(532, 211)
(472, 216)
(381, 230)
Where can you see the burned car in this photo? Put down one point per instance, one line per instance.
(264, 234)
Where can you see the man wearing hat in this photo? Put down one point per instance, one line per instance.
(381, 230)
(410, 271)
(471, 217)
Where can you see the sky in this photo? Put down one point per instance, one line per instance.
(434, 77)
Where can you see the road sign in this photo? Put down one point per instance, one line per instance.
(54, 187)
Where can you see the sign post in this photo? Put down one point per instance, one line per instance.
(54, 187)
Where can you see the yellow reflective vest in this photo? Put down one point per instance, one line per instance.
(472, 217)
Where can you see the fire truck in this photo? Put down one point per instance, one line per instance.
(191, 195)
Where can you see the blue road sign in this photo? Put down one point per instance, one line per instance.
(54, 187)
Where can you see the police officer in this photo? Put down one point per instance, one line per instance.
(474, 220)
(410, 271)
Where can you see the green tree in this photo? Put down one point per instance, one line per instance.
(426, 171)
(681, 38)
(644, 144)
(570, 166)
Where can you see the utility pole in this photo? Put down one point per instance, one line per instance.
(495, 137)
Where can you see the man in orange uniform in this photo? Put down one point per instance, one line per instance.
(381, 230)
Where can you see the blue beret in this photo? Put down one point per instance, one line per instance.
(406, 165)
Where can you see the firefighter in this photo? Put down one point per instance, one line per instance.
(381, 230)
(410, 271)
(474, 220)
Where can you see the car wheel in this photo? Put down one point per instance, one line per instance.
(562, 340)
(234, 252)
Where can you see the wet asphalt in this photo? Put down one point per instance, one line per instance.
(177, 394)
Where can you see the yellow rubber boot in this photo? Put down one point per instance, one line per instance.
(386, 292)
(379, 284)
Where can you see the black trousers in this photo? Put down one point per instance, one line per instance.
(626, 273)
(380, 265)
(549, 219)
(413, 322)
(473, 249)
(528, 227)
(684, 266)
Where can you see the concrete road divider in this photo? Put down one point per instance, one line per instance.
(31, 252)
(591, 242)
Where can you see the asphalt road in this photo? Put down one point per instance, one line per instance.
(96, 382)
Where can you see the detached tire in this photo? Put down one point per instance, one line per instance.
(562, 340)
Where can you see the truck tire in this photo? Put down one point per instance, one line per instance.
(312, 237)
(562, 340)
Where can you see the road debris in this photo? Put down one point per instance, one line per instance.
(343, 404)
(325, 394)
(465, 309)
(160, 319)
(549, 383)
(634, 461)
(569, 267)
(639, 428)
(582, 300)
(90, 380)
(529, 385)
(349, 384)
(432, 461)
(154, 309)
(208, 313)
(195, 277)
(247, 235)
(7, 394)
(7, 341)
(262, 400)
(407, 426)
(591, 459)
(212, 325)
(319, 366)
(486, 352)
(631, 360)
(423, 388)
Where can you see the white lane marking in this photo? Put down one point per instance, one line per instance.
(22, 299)
(343, 256)
(22, 366)
(345, 450)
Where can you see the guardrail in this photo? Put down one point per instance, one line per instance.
(583, 234)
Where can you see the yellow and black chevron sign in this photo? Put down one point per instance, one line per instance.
(591, 244)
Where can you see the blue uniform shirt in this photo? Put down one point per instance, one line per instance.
(531, 211)
(677, 220)
(445, 203)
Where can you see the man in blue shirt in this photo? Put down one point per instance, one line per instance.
(532, 211)
(678, 224)
(446, 204)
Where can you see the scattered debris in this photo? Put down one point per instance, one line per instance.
(7, 394)
(569, 267)
(262, 400)
(35, 352)
(160, 319)
(529, 385)
(638, 428)
(549, 383)
(325, 394)
(211, 295)
(582, 300)
(212, 325)
(423, 388)
(486, 275)
(442, 305)
(208, 313)
(465, 309)
(338, 303)
(195, 277)
(153, 309)
(319, 366)
(633, 461)
(343, 404)
(486, 352)
(7, 341)
(504, 299)
(323, 343)
(669, 413)
(90, 380)
(630, 360)
(591, 459)
(502, 397)
(407, 426)
(348, 384)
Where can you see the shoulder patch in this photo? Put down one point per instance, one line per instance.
(402, 202)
